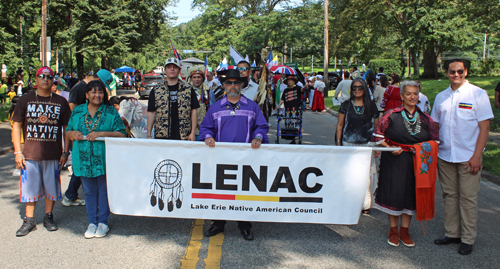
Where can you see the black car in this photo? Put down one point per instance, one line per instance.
(147, 84)
(333, 79)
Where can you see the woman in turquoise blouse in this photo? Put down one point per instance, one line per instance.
(88, 121)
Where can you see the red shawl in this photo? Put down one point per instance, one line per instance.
(425, 167)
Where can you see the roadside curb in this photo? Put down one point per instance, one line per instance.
(333, 112)
(6, 150)
(493, 178)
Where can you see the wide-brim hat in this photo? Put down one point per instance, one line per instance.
(234, 73)
(292, 78)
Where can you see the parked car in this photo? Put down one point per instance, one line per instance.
(334, 78)
(150, 80)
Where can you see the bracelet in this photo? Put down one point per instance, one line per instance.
(258, 137)
(65, 153)
(149, 136)
(18, 152)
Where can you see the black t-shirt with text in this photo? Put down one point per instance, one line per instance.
(292, 97)
(174, 108)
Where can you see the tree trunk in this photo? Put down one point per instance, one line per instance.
(430, 65)
(79, 64)
(403, 64)
(416, 64)
(104, 62)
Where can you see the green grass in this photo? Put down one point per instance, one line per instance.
(4, 114)
(490, 159)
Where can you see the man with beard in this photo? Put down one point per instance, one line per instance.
(236, 119)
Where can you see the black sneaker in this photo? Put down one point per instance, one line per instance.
(49, 223)
(28, 226)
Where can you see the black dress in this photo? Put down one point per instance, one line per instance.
(396, 185)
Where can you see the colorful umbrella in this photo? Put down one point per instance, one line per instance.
(283, 69)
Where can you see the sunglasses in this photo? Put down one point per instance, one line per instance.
(460, 72)
(229, 83)
(44, 76)
(357, 88)
(242, 69)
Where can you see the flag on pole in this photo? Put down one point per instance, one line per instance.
(269, 61)
(275, 60)
(176, 53)
(235, 56)
(223, 64)
(206, 65)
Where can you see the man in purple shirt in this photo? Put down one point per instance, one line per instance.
(234, 118)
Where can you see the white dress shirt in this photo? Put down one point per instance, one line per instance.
(251, 90)
(458, 114)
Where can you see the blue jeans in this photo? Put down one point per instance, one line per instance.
(96, 199)
(73, 186)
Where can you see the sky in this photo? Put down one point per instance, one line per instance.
(183, 11)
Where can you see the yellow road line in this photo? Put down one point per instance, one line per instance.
(214, 251)
(190, 258)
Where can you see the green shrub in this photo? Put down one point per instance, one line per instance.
(390, 66)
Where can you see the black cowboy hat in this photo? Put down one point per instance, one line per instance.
(234, 73)
(292, 77)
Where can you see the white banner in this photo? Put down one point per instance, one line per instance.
(275, 183)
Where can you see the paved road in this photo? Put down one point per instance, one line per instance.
(161, 242)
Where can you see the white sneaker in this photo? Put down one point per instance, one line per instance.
(90, 231)
(66, 202)
(102, 230)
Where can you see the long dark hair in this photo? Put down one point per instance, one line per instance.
(99, 86)
(367, 101)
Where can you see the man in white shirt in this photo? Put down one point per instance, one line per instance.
(251, 90)
(462, 113)
(343, 88)
(212, 82)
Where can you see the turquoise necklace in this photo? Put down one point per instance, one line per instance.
(413, 125)
(357, 109)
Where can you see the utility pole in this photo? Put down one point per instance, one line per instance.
(484, 48)
(43, 39)
(326, 58)
(21, 32)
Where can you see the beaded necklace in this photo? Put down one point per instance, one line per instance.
(92, 126)
(357, 109)
(412, 123)
(43, 118)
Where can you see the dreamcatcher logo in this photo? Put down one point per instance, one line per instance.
(167, 176)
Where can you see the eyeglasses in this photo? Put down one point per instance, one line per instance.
(460, 72)
(242, 69)
(229, 83)
(357, 88)
(43, 76)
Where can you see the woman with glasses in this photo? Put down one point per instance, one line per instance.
(91, 120)
(358, 116)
